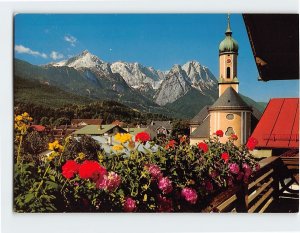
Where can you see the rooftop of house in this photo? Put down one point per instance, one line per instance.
(165, 124)
(279, 124)
(230, 99)
(87, 121)
(198, 119)
(203, 130)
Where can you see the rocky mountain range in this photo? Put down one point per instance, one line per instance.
(140, 87)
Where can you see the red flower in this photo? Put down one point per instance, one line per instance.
(69, 169)
(225, 156)
(129, 205)
(233, 137)
(203, 146)
(219, 133)
(252, 142)
(142, 137)
(171, 144)
(182, 139)
(164, 204)
(91, 170)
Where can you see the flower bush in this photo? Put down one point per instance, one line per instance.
(176, 177)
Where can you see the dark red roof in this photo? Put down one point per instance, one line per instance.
(38, 128)
(279, 124)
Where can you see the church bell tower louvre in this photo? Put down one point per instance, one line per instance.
(228, 52)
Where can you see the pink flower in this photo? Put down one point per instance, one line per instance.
(129, 205)
(234, 168)
(240, 176)
(203, 146)
(154, 171)
(214, 174)
(229, 181)
(257, 167)
(209, 186)
(165, 185)
(190, 195)
(247, 169)
(109, 182)
(164, 204)
(219, 133)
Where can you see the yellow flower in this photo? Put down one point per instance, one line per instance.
(117, 147)
(18, 118)
(123, 137)
(55, 146)
(25, 114)
(81, 155)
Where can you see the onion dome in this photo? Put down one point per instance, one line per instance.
(228, 45)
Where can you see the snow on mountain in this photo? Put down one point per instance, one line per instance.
(138, 76)
(161, 87)
(83, 60)
(175, 85)
(200, 76)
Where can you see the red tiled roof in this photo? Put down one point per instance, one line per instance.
(38, 128)
(279, 124)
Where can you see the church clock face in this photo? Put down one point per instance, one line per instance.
(228, 60)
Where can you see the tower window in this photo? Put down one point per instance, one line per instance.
(228, 72)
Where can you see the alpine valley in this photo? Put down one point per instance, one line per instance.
(180, 92)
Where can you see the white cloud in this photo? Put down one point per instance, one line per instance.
(56, 55)
(23, 49)
(71, 39)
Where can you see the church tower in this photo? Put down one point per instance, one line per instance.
(230, 113)
(228, 52)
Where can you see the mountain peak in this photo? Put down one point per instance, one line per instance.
(85, 52)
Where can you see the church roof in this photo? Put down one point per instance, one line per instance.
(200, 116)
(231, 100)
(203, 130)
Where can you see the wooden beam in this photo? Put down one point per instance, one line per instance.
(258, 191)
(260, 179)
(260, 201)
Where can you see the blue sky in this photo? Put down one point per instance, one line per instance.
(157, 40)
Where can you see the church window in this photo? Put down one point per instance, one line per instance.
(229, 131)
(230, 116)
(228, 72)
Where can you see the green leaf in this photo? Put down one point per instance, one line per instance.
(28, 197)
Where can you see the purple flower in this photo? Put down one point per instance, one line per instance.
(155, 171)
(190, 195)
(129, 205)
(234, 168)
(109, 182)
(165, 185)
